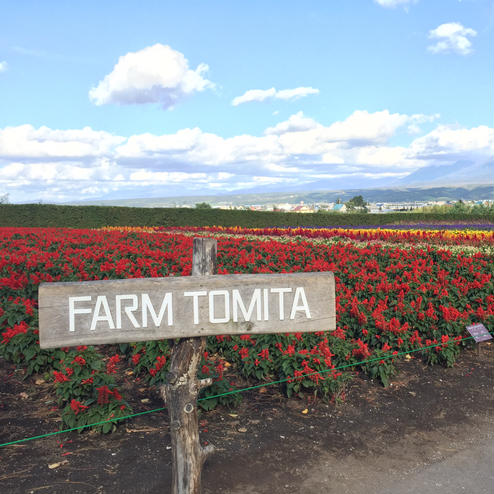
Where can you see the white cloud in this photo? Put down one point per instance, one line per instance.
(147, 177)
(451, 37)
(254, 95)
(50, 173)
(296, 93)
(296, 123)
(51, 164)
(192, 147)
(156, 74)
(453, 143)
(384, 157)
(260, 95)
(3, 66)
(302, 135)
(44, 143)
(415, 120)
(362, 126)
(302, 139)
(394, 3)
(273, 167)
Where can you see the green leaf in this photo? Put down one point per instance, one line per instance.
(29, 353)
(107, 427)
(208, 404)
(384, 377)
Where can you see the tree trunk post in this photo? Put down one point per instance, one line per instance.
(182, 388)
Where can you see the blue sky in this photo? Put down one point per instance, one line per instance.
(118, 99)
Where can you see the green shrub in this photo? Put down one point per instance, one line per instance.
(48, 215)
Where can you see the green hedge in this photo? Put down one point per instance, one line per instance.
(46, 215)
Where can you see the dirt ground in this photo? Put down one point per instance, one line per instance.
(267, 444)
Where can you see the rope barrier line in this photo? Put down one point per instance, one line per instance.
(236, 391)
(81, 427)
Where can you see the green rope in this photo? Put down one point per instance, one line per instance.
(234, 391)
(81, 427)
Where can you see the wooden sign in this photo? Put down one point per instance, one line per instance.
(117, 311)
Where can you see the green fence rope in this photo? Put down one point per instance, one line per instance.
(235, 391)
(81, 427)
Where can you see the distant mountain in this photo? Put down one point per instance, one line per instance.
(396, 194)
(459, 173)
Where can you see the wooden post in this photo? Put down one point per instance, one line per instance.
(182, 388)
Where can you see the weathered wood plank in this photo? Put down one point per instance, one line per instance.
(116, 311)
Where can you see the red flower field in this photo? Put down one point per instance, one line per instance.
(390, 300)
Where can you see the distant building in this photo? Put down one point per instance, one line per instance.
(376, 209)
(301, 208)
(339, 208)
(284, 207)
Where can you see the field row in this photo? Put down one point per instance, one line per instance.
(479, 238)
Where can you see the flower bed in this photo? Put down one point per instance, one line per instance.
(389, 300)
(474, 238)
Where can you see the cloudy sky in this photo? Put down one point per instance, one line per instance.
(104, 100)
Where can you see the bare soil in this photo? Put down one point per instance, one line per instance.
(268, 444)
